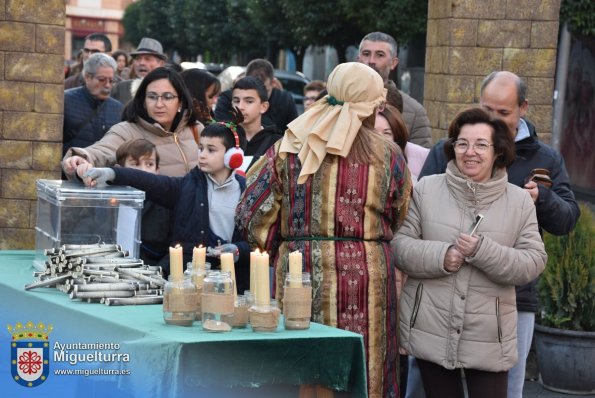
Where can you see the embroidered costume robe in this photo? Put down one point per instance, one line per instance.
(342, 219)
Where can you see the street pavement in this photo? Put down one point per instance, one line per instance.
(534, 389)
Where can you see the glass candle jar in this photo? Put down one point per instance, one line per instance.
(249, 298)
(240, 313)
(179, 302)
(297, 301)
(265, 318)
(196, 275)
(217, 302)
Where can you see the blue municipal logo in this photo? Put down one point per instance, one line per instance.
(30, 353)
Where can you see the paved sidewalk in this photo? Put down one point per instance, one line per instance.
(534, 389)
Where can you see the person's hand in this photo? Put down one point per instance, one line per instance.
(533, 190)
(69, 165)
(453, 260)
(467, 244)
(82, 169)
(98, 176)
(225, 248)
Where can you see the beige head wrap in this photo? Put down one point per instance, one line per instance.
(356, 89)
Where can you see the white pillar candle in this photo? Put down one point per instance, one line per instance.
(295, 269)
(263, 295)
(227, 265)
(253, 260)
(199, 257)
(176, 261)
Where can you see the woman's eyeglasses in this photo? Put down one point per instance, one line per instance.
(461, 146)
(165, 97)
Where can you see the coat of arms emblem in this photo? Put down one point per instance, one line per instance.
(30, 353)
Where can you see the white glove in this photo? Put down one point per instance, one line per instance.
(226, 248)
(99, 176)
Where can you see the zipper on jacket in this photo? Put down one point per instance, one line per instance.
(418, 293)
(498, 319)
(181, 152)
(473, 188)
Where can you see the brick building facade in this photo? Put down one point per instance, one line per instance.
(31, 110)
(468, 39)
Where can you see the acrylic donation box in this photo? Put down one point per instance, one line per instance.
(70, 213)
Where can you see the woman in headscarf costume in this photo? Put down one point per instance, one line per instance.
(336, 190)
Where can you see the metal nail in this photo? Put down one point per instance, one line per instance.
(133, 301)
(47, 282)
(102, 294)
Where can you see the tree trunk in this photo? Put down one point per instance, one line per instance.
(341, 50)
(273, 53)
(300, 53)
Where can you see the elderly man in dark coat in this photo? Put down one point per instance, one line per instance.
(89, 112)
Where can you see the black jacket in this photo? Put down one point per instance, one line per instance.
(188, 198)
(281, 112)
(155, 232)
(557, 210)
(262, 141)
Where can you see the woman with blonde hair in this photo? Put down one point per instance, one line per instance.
(336, 190)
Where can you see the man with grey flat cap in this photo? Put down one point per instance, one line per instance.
(148, 56)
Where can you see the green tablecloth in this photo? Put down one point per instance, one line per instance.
(171, 361)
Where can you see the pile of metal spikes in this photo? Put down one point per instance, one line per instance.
(100, 273)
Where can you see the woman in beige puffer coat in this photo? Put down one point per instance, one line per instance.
(458, 305)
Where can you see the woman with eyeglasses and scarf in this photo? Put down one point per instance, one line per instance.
(458, 307)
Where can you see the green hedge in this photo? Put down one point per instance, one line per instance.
(567, 286)
(580, 16)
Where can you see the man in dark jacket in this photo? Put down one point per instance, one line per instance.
(89, 112)
(282, 109)
(503, 94)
